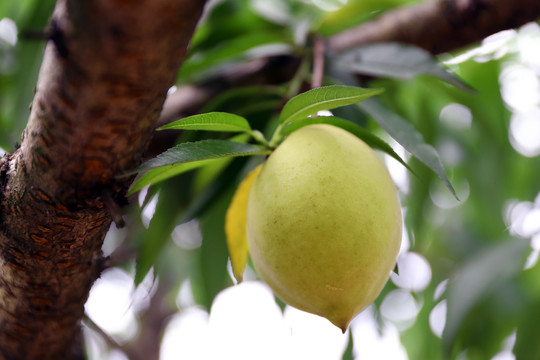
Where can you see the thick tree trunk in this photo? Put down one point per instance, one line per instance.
(102, 84)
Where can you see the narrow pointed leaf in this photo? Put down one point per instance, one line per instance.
(397, 61)
(348, 354)
(213, 121)
(407, 136)
(235, 225)
(201, 150)
(209, 173)
(323, 98)
(233, 49)
(210, 275)
(153, 240)
(367, 136)
(189, 156)
(159, 174)
(478, 279)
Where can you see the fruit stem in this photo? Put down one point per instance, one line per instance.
(259, 137)
(295, 84)
(276, 137)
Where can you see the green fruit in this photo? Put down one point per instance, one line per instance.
(324, 223)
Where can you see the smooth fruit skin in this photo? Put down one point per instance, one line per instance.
(324, 223)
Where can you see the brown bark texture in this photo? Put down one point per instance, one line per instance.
(104, 78)
(440, 26)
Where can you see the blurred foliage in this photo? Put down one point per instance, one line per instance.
(20, 66)
(471, 243)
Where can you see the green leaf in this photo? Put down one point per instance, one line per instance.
(212, 276)
(20, 67)
(478, 279)
(188, 156)
(201, 150)
(354, 13)
(527, 346)
(209, 172)
(323, 98)
(407, 136)
(159, 174)
(204, 200)
(213, 121)
(367, 136)
(231, 49)
(396, 61)
(170, 202)
(247, 99)
(348, 354)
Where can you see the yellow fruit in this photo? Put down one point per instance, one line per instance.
(235, 225)
(324, 223)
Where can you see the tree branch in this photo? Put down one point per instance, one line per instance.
(440, 26)
(436, 26)
(318, 63)
(104, 78)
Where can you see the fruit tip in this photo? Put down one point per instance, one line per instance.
(239, 278)
(343, 326)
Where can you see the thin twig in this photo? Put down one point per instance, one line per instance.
(318, 63)
(114, 209)
(112, 343)
(121, 255)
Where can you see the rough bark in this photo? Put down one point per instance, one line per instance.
(440, 26)
(103, 81)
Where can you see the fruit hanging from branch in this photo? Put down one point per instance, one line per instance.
(321, 215)
(324, 223)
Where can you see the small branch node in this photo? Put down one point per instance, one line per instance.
(318, 63)
(114, 209)
(56, 35)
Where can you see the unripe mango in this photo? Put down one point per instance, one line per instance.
(324, 223)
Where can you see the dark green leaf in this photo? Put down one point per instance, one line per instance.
(367, 136)
(212, 276)
(229, 50)
(201, 150)
(214, 121)
(527, 345)
(18, 75)
(348, 354)
(396, 60)
(169, 206)
(246, 100)
(478, 278)
(188, 156)
(354, 13)
(407, 136)
(159, 174)
(323, 98)
(206, 197)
